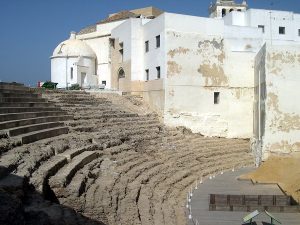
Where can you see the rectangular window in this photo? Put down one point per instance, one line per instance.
(147, 46)
(262, 27)
(71, 73)
(281, 30)
(299, 32)
(158, 72)
(147, 74)
(158, 41)
(112, 42)
(104, 82)
(216, 98)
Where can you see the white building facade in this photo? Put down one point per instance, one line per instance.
(222, 76)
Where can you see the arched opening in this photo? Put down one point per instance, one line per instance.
(231, 10)
(121, 73)
(223, 12)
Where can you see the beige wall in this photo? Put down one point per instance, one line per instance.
(152, 91)
(117, 63)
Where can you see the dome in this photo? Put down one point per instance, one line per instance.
(73, 47)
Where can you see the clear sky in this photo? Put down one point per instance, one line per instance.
(31, 29)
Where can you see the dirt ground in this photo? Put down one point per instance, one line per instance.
(283, 170)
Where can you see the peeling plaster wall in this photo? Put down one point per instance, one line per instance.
(282, 131)
(199, 64)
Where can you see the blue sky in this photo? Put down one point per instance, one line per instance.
(31, 29)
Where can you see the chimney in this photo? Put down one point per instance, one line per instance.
(73, 35)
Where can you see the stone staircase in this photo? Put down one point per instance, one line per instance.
(26, 117)
(115, 165)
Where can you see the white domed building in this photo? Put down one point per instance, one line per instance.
(73, 62)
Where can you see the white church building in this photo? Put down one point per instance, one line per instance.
(235, 74)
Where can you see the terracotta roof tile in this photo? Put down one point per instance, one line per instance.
(119, 16)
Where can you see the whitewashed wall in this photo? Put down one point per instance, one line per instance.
(61, 71)
(282, 130)
(271, 20)
(156, 56)
(99, 42)
(58, 72)
(201, 61)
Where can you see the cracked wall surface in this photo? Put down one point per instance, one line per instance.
(282, 111)
(199, 65)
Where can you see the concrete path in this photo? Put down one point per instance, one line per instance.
(228, 184)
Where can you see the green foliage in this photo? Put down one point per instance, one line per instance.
(49, 85)
(75, 87)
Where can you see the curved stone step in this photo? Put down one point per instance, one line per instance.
(72, 103)
(34, 127)
(21, 99)
(27, 109)
(42, 134)
(71, 153)
(26, 115)
(46, 170)
(26, 104)
(24, 122)
(13, 88)
(19, 95)
(11, 84)
(64, 176)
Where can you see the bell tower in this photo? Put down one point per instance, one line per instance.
(221, 8)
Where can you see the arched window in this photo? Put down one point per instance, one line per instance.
(231, 10)
(223, 12)
(121, 73)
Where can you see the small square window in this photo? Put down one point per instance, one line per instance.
(147, 74)
(157, 41)
(281, 30)
(216, 98)
(262, 27)
(104, 82)
(158, 72)
(147, 46)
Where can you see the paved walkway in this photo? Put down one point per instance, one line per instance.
(228, 184)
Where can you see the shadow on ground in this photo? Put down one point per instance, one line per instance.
(21, 204)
